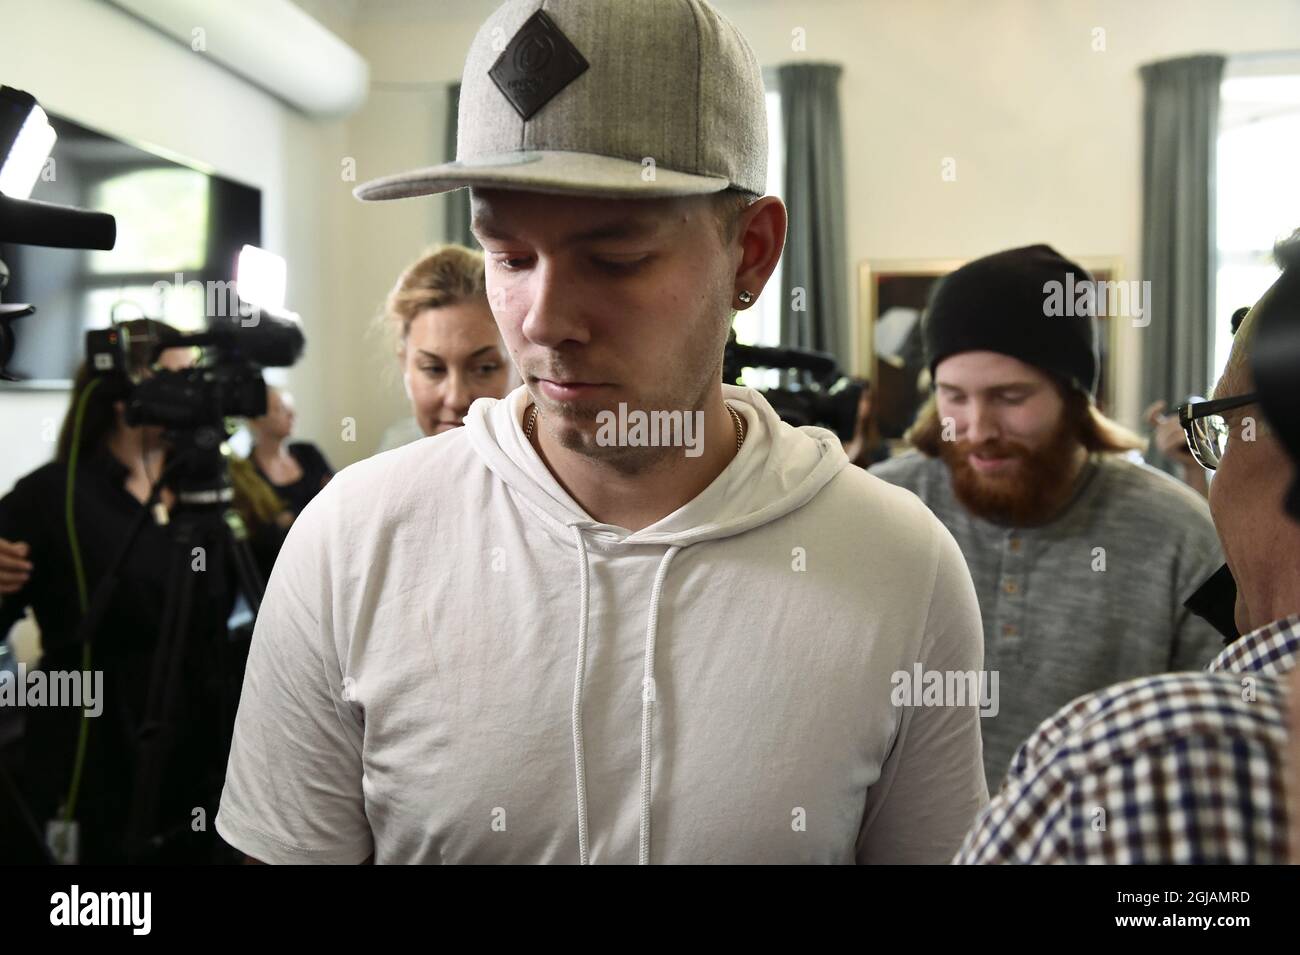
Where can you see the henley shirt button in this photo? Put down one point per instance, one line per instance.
(1008, 630)
(1014, 544)
(1009, 586)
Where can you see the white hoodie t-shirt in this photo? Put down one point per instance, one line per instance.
(414, 690)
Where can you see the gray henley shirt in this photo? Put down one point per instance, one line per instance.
(1093, 598)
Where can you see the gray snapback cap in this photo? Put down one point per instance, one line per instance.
(612, 98)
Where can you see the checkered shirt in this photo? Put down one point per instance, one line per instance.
(1175, 768)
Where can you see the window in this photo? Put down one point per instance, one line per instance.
(761, 323)
(1258, 192)
(162, 219)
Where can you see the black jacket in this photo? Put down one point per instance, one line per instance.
(123, 647)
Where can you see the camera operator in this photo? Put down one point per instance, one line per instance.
(112, 466)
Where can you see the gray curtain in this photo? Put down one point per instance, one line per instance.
(1180, 126)
(814, 194)
(456, 202)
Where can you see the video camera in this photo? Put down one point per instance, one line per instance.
(193, 403)
(227, 384)
(821, 396)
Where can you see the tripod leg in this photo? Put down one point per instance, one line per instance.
(249, 581)
(24, 814)
(155, 733)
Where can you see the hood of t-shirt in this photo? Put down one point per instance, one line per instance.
(778, 469)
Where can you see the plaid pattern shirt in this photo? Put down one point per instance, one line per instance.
(1175, 768)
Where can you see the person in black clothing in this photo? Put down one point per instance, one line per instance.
(113, 467)
(296, 471)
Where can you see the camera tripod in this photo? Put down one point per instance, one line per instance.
(203, 531)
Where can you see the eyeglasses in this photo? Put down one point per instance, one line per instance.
(1206, 430)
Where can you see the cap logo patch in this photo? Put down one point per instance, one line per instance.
(537, 63)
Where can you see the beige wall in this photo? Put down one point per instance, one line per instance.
(1045, 132)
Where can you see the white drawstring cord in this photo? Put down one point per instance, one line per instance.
(647, 702)
(579, 758)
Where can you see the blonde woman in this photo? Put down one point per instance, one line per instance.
(446, 340)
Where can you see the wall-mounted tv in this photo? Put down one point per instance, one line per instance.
(172, 218)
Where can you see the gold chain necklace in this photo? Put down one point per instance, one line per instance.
(740, 431)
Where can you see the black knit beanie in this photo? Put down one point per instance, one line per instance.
(1004, 303)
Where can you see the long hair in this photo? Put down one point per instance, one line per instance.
(254, 497)
(866, 432)
(1094, 430)
(143, 334)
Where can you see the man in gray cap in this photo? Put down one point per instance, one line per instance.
(1082, 558)
(625, 614)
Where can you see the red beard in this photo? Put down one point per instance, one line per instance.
(1032, 493)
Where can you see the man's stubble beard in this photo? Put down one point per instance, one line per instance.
(574, 424)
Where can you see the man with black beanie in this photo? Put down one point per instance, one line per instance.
(1191, 767)
(1081, 557)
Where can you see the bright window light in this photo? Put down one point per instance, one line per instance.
(261, 277)
(27, 157)
(162, 222)
(761, 324)
(1258, 193)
